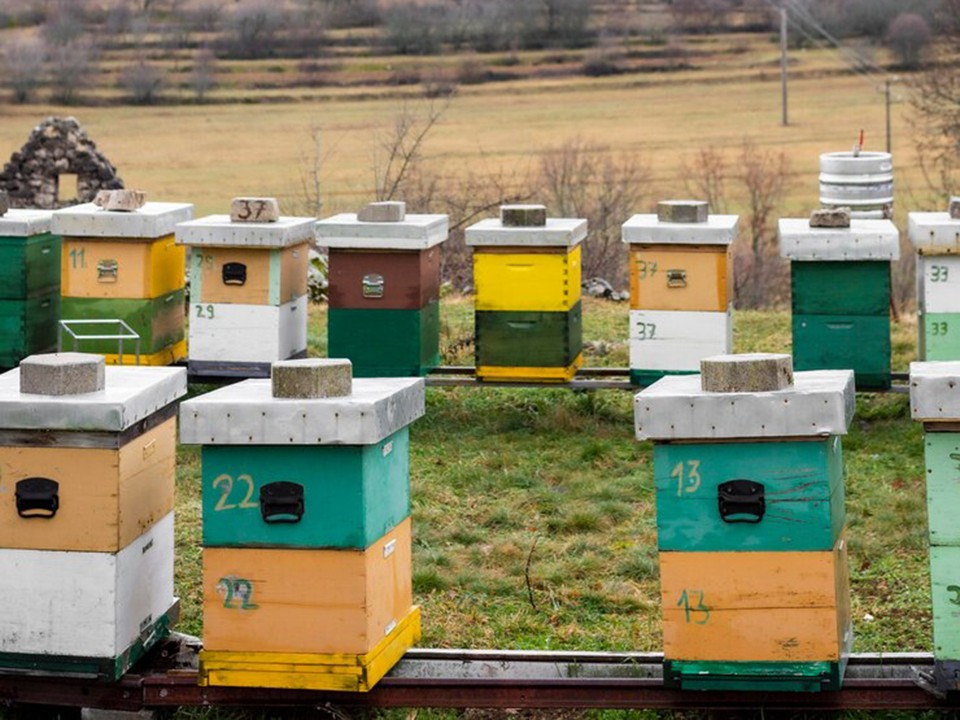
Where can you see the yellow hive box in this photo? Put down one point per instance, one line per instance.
(541, 279)
(248, 276)
(311, 671)
(115, 267)
(306, 601)
(755, 606)
(680, 277)
(168, 356)
(497, 373)
(102, 500)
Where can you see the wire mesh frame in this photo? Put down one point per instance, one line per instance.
(125, 332)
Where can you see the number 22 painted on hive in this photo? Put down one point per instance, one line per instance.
(224, 483)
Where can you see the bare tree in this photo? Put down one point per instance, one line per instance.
(23, 61)
(705, 178)
(143, 81)
(908, 36)
(71, 65)
(399, 149)
(203, 73)
(254, 25)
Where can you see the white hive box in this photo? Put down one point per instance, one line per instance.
(934, 233)
(935, 391)
(17, 222)
(676, 340)
(414, 232)
(647, 229)
(863, 240)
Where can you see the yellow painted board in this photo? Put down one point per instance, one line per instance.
(497, 373)
(260, 282)
(311, 671)
(542, 281)
(106, 498)
(755, 606)
(305, 600)
(127, 268)
(680, 277)
(168, 356)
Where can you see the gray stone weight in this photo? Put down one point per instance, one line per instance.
(68, 373)
(389, 211)
(751, 372)
(254, 210)
(955, 207)
(312, 378)
(830, 218)
(523, 215)
(120, 200)
(682, 211)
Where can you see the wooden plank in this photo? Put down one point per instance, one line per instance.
(527, 282)
(386, 343)
(169, 355)
(121, 268)
(680, 277)
(507, 373)
(788, 677)
(528, 339)
(409, 280)
(840, 288)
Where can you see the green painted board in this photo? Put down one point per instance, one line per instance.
(762, 676)
(29, 266)
(351, 495)
(945, 593)
(840, 288)
(386, 343)
(802, 489)
(528, 339)
(28, 326)
(844, 342)
(643, 378)
(942, 454)
(159, 321)
(939, 337)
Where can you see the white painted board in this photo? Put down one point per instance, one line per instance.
(218, 231)
(414, 232)
(558, 232)
(646, 229)
(247, 413)
(863, 240)
(84, 603)
(677, 339)
(939, 290)
(819, 403)
(130, 394)
(935, 391)
(228, 332)
(153, 220)
(18, 222)
(934, 233)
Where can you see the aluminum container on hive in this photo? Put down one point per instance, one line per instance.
(936, 238)
(118, 265)
(87, 471)
(750, 519)
(384, 288)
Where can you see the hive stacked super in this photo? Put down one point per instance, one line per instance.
(526, 273)
(87, 470)
(384, 289)
(936, 237)
(935, 401)
(29, 284)
(306, 527)
(840, 282)
(120, 262)
(681, 288)
(748, 475)
(248, 288)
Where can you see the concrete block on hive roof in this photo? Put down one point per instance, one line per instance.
(863, 240)
(648, 229)
(414, 232)
(4, 202)
(934, 233)
(682, 211)
(830, 218)
(312, 378)
(935, 391)
(254, 210)
(389, 211)
(68, 373)
(556, 232)
(954, 207)
(523, 215)
(153, 220)
(221, 231)
(120, 200)
(25, 223)
(749, 372)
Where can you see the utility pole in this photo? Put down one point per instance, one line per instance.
(783, 63)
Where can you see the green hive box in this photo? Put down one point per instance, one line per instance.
(858, 342)
(940, 336)
(386, 343)
(28, 327)
(29, 266)
(309, 496)
(798, 504)
(158, 321)
(769, 676)
(529, 339)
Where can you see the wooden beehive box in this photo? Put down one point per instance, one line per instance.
(936, 237)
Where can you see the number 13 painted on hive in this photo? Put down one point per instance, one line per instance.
(688, 482)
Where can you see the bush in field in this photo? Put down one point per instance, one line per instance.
(908, 36)
(71, 66)
(142, 81)
(23, 63)
(253, 29)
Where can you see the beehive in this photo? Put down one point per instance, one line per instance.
(935, 401)
(750, 529)
(526, 270)
(384, 289)
(87, 470)
(840, 283)
(124, 265)
(248, 291)
(29, 285)
(681, 288)
(307, 552)
(936, 238)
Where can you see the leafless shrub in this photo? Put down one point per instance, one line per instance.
(253, 28)
(142, 81)
(23, 62)
(203, 73)
(705, 178)
(908, 36)
(71, 66)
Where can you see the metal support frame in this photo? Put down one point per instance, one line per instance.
(125, 333)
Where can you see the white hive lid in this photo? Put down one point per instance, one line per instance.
(558, 232)
(247, 414)
(647, 229)
(218, 230)
(130, 395)
(819, 403)
(935, 391)
(934, 233)
(24, 223)
(153, 220)
(863, 240)
(414, 232)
